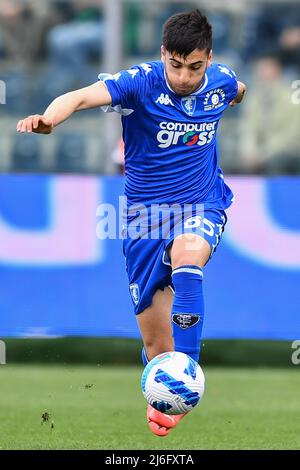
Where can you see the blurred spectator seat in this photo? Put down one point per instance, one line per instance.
(16, 90)
(26, 153)
(71, 153)
(273, 26)
(74, 46)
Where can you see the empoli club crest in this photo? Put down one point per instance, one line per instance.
(188, 104)
(135, 293)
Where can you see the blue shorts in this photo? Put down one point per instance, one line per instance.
(148, 265)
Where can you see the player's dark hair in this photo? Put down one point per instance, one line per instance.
(184, 32)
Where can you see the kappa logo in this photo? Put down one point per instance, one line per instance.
(116, 76)
(164, 99)
(146, 67)
(135, 293)
(185, 320)
(225, 70)
(133, 72)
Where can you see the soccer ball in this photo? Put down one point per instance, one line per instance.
(173, 383)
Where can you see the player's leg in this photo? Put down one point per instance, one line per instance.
(154, 324)
(189, 254)
(154, 321)
(156, 331)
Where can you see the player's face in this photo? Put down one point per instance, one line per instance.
(185, 75)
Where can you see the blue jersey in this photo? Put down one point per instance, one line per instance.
(171, 152)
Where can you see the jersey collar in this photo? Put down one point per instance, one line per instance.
(197, 92)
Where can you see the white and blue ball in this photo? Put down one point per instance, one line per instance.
(173, 383)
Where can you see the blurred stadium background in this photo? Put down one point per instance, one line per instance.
(64, 306)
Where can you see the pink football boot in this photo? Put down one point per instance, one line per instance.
(160, 423)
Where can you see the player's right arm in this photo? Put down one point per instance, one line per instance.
(64, 106)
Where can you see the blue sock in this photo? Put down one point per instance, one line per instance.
(144, 357)
(188, 310)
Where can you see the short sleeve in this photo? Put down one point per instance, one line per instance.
(229, 82)
(128, 87)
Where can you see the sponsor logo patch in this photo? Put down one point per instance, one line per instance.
(214, 99)
(185, 320)
(189, 134)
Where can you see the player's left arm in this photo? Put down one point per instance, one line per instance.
(240, 94)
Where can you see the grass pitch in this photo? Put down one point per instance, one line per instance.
(55, 407)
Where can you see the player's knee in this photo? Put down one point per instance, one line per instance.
(190, 250)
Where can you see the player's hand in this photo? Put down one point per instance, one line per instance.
(240, 94)
(237, 100)
(37, 123)
(233, 103)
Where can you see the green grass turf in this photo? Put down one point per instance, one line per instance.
(241, 409)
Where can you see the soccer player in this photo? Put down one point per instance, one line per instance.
(170, 111)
